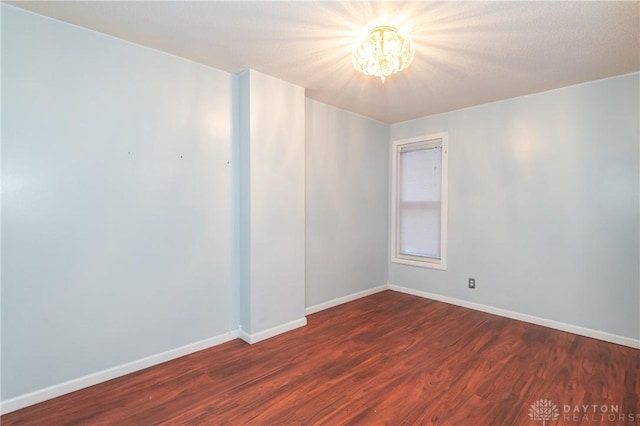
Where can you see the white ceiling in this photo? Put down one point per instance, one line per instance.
(467, 53)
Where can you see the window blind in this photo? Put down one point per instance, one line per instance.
(419, 200)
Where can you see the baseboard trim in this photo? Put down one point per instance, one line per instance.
(340, 300)
(582, 331)
(73, 385)
(54, 391)
(271, 332)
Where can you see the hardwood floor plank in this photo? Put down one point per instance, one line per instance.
(389, 358)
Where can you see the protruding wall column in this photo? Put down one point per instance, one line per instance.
(272, 218)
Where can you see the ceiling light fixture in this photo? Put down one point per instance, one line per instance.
(384, 51)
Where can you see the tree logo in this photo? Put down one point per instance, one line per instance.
(544, 410)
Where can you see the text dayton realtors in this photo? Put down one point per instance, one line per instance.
(594, 412)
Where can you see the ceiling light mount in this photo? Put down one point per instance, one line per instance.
(384, 51)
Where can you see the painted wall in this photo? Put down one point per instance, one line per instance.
(272, 187)
(543, 205)
(116, 197)
(347, 164)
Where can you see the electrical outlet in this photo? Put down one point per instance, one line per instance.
(472, 283)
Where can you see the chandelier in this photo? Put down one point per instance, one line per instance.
(384, 51)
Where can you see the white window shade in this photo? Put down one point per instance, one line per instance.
(419, 202)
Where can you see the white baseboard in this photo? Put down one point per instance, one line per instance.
(263, 335)
(54, 391)
(340, 300)
(582, 331)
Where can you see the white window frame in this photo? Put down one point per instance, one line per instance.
(436, 139)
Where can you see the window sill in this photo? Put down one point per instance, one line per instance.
(440, 265)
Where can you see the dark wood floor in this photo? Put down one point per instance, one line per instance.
(389, 358)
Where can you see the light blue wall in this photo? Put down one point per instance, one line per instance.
(272, 202)
(347, 164)
(116, 197)
(543, 205)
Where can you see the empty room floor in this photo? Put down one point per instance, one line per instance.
(389, 358)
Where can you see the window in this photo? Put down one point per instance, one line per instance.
(419, 196)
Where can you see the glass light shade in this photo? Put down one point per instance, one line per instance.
(383, 52)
